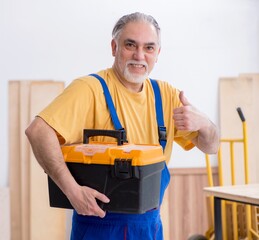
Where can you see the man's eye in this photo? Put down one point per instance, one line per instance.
(130, 46)
(150, 48)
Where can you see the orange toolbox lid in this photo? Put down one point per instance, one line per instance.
(106, 153)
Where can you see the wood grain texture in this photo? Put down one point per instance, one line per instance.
(246, 193)
(46, 223)
(14, 159)
(186, 208)
(30, 211)
(24, 157)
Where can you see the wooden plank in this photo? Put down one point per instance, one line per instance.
(46, 223)
(245, 193)
(14, 160)
(5, 214)
(24, 158)
(19, 160)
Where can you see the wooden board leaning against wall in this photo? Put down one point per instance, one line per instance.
(28, 183)
(243, 92)
(4, 213)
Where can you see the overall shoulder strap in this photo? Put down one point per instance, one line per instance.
(159, 113)
(111, 107)
(158, 105)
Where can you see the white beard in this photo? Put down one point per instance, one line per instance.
(135, 78)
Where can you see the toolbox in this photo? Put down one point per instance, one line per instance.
(128, 174)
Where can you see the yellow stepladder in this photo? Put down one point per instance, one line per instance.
(250, 232)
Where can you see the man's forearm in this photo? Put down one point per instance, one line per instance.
(48, 153)
(208, 139)
(46, 148)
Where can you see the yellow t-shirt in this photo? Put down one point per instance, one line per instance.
(82, 105)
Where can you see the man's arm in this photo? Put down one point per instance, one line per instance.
(207, 139)
(46, 148)
(188, 118)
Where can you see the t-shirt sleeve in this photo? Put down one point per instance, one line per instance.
(67, 113)
(184, 139)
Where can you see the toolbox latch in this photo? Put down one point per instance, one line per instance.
(122, 168)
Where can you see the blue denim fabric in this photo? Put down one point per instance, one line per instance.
(119, 226)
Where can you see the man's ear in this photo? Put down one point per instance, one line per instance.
(114, 47)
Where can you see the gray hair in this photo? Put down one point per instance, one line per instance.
(134, 17)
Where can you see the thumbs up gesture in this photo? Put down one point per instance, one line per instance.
(187, 117)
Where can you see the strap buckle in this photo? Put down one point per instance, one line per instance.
(162, 133)
(123, 136)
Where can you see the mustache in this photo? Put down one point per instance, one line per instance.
(136, 63)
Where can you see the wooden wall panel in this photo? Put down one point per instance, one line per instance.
(165, 215)
(28, 183)
(186, 210)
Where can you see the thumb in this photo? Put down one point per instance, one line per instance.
(183, 99)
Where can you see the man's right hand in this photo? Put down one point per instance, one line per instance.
(83, 199)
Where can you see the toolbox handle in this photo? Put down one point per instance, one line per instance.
(120, 134)
(241, 115)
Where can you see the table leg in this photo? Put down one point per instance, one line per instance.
(217, 218)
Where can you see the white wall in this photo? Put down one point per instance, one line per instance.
(202, 40)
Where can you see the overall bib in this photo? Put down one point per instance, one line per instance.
(121, 226)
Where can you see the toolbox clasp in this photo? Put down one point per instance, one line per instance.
(123, 168)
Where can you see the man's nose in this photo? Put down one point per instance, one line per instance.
(139, 54)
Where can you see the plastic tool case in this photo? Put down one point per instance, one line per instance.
(129, 175)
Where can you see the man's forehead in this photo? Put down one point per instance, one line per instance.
(139, 32)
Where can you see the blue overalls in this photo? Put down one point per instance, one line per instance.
(121, 226)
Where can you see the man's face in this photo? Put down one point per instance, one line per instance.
(136, 51)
